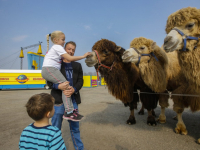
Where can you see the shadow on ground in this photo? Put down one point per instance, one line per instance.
(116, 114)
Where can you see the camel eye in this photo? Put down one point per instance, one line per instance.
(142, 48)
(105, 51)
(190, 25)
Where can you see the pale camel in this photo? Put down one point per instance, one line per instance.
(183, 34)
(160, 71)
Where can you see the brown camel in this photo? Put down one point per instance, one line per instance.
(119, 77)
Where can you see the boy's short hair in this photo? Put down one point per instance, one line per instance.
(70, 42)
(38, 105)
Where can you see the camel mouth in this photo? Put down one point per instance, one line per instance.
(171, 47)
(167, 50)
(90, 63)
(172, 41)
(128, 57)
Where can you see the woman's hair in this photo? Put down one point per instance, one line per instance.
(53, 35)
(39, 104)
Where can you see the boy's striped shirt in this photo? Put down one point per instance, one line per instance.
(48, 137)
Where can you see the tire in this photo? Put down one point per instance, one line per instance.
(46, 87)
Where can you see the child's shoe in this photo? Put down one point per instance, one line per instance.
(72, 116)
(76, 111)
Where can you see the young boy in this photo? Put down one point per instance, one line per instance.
(41, 135)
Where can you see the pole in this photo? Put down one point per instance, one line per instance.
(21, 62)
(39, 61)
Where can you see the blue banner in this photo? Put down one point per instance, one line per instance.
(35, 61)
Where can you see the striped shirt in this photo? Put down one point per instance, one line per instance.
(41, 138)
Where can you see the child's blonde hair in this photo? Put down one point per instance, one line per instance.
(53, 35)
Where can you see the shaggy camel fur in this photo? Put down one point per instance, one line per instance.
(160, 71)
(151, 70)
(185, 21)
(120, 77)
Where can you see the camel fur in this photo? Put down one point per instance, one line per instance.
(165, 72)
(187, 20)
(153, 73)
(121, 78)
(190, 60)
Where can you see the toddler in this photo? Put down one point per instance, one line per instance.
(51, 70)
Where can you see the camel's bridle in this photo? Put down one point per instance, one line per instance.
(140, 55)
(101, 65)
(185, 38)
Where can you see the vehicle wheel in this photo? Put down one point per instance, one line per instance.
(46, 87)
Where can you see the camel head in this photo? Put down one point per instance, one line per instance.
(183, 30)
(141, 50)
(103, 52)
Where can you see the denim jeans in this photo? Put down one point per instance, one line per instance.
(74, 126)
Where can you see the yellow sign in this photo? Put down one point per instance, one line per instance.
(21, 78)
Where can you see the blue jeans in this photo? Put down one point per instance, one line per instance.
(74, 126)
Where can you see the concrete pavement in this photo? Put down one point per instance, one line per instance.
(104, 125)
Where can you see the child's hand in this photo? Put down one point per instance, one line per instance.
(87, 54)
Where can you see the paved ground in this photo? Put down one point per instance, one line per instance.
(104, 125)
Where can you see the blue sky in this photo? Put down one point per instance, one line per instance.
(26, 22)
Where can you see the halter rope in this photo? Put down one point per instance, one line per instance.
(185, 38)
(140, 55)
(101, 65)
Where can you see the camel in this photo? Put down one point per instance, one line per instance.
(160, 71)
(183, 34)
(119, 77)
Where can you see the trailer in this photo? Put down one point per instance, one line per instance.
(18, 79)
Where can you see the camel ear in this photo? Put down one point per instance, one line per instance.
(118, 48)
(153, 46)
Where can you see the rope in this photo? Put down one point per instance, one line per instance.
(169, 93)
(2, 65)
(13, 54)
(13, 62)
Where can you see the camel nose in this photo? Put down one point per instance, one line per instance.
(167, 43)
(91, 54)
(167, 39)
(125, 54)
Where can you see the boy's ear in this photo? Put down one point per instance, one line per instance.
(48, 114)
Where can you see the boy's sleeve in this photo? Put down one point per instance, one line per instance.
(57, 142)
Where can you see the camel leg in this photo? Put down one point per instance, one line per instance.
(141, 112)
(162, 117)
(131, 120)
(163, 102)
(153, 113)
(180, 126)
(198, 141)
(151, 119)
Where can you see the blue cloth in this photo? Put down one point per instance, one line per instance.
(74, 126)
(45, 138)
(69, 75)
(69, 72)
